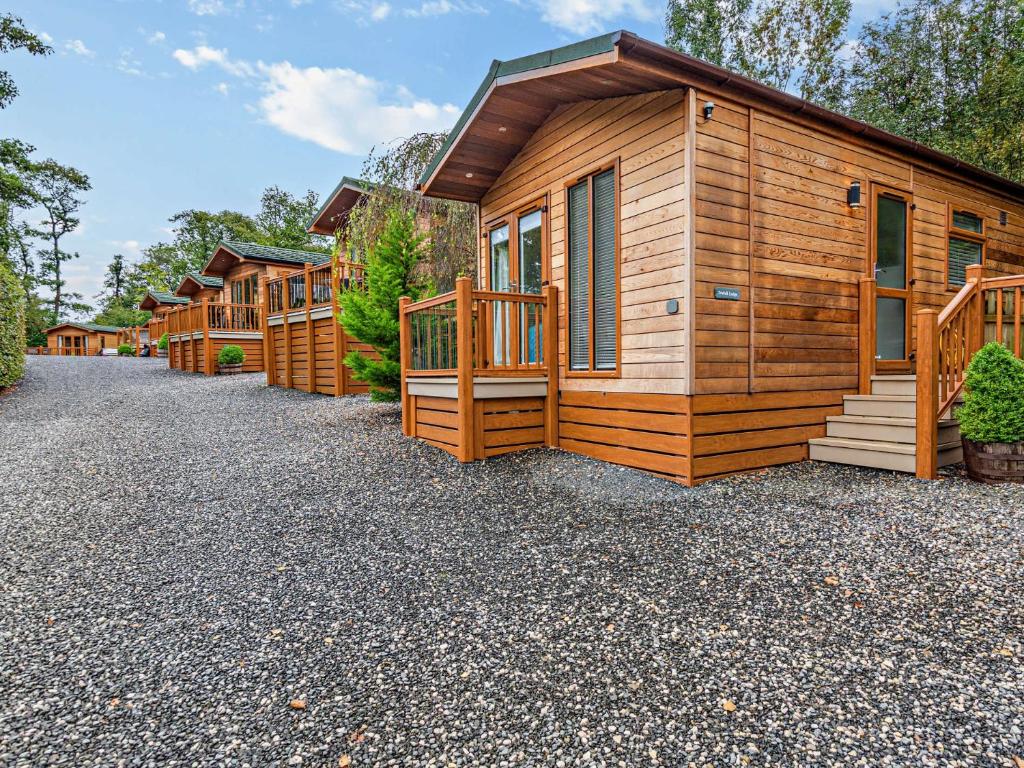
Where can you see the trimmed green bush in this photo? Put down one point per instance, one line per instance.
(162, 344)
(231, 354)
(12, 327)
(993, 409)
(125, 350)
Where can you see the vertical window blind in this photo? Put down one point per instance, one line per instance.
(964, 251)
(593, 310)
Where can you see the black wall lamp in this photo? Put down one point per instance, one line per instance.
(709, 107)
(853, 195)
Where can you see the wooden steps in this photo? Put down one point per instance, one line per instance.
(879, 430)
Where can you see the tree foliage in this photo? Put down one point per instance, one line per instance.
(993, 409)
(12, 326)
(370, 313)
(15, 36)
(450, 226)
(788, 44)
(946, 73)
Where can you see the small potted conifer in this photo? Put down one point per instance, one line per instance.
(230, 359)
(992, 416)
(161, 346)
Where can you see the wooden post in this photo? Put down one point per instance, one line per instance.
(310, 346)
(927, 394)
(268, 344)
(405, 361)
(867, 340)
(208, 362)
(464, 352)
(976, 313)
(287, 329)
(551, 363)
(340, 344)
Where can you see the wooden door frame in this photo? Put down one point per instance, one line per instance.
(511, 219)
(879, 189)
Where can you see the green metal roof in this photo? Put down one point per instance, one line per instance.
(346, 181)
(164, 297)
(207, 281)
(270, 253)
(581, 50)
(88, 327)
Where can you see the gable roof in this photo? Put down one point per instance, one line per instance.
(154, 299)
(228, 252)
(96, 327)
(336, 207)
(517, 96)
(198, 282)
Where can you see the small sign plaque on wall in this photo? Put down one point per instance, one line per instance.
(727, 294)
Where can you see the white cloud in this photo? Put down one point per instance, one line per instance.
(78, 48)
(45, 37)
(587, 16)
(443, 7)
(339, 109)
(344, 110)
(130, 247)
(201, 55)
(156, 37)
(207, 7)
(128, 64)
(366, 10)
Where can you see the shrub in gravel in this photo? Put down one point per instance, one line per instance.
(125, 350)
(12, 327)
(371, 315)
(993, 409)
(231, 354)
(162, 344)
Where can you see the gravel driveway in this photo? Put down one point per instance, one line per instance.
(206, 571)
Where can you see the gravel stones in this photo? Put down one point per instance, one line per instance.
(185, 557)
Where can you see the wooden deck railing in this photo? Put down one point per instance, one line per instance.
(465, 334)
(205, 316)
(312, 286)
(506, 333)
(985, 309)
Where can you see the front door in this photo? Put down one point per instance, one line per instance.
(892, 259)
(516, 266)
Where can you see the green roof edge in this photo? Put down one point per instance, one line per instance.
(580, 50)
(360, 184)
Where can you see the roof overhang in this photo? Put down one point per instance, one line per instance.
(517, 97)
(190, 287)
(150, 303)
(335, 210)
(224, 258)
(80, 327)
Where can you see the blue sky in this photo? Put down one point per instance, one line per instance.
(175, 104)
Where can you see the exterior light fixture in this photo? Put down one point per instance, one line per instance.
(469, 175)
(502, 129)
(709, 107)
(853, 195)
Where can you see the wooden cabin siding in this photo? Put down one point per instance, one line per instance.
(646, 134)
(290, 357)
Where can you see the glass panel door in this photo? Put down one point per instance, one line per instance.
(530, 278)
(892, 269)
(501, 279)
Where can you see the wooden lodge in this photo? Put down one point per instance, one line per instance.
(158, 303)
(304, 344)
(80, 339)
(225, 305)
(693, 274)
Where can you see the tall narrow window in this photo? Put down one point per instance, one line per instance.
(593, 279)
(966, 245)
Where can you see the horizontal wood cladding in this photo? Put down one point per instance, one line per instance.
(253, 349)
(743, 432)
(504, 425)
(294, 358)
(436, 421)
(643, 431)
(647, 135)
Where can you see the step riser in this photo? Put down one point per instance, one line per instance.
(863, 458)
(884, 433)
(898, 409)
(907, 388)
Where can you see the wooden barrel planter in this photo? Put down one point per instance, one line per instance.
(994, 462)
(229, 369)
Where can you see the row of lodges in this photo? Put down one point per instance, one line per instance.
(680, 270)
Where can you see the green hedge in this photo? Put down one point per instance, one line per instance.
(231, 354)
(12, 327)
(993, 409)
(125, 350)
